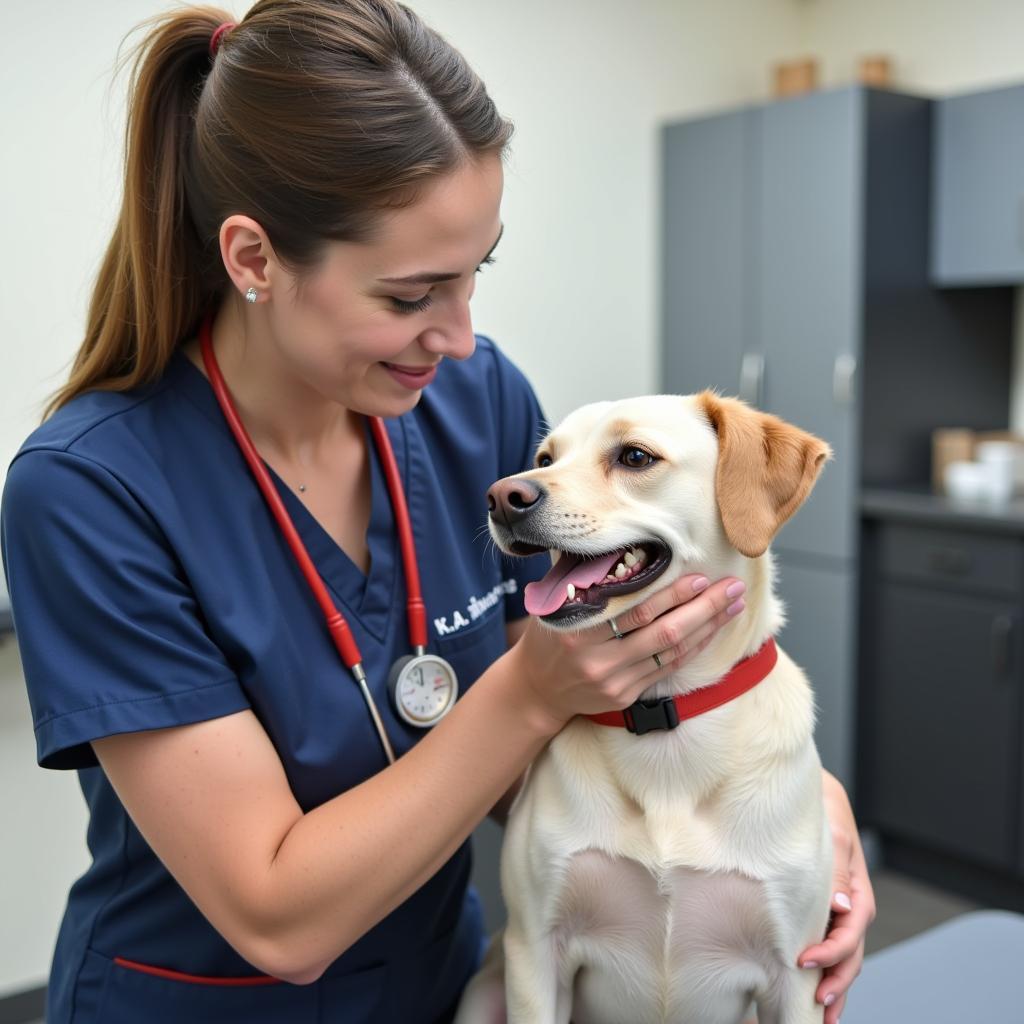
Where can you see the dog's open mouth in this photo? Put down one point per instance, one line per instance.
(579, 586)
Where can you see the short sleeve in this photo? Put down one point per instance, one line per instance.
(111, 637)
(522, 426)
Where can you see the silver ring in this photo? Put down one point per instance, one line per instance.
(615, 630)
(657, 660)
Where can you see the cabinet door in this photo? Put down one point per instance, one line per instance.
(808, 294)
(818, 636)
(978, 189)
(706, 248)
(941, 729)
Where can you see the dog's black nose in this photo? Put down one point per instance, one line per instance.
(512, 500)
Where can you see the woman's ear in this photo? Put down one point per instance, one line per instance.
(248, 256)
(766, 469)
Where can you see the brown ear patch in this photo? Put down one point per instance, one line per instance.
(766, 469)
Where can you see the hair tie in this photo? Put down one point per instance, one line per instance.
(218, 35)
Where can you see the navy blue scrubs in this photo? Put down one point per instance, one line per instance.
(151, 587)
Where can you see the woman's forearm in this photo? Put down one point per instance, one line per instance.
(345, 865)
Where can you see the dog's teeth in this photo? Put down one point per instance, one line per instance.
(570, 590)
(609, 578)
(641, 556)
(630, 559)
(620, 571)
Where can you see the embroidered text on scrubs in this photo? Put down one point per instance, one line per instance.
(476, 607)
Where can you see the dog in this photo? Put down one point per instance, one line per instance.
(671, 875)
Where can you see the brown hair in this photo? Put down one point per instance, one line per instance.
(313, 116)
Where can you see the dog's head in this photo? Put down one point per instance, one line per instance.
(635, 493)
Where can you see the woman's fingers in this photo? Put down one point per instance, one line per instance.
(833, 1013)
(836, 983)
(692, 632)
(684, 589)
(680, 627)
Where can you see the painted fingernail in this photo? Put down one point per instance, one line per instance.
(809, 963)
(735, 589)
(843, 900)
(700, 583)
(736, 607)
(830, 998)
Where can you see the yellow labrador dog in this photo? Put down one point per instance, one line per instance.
(658, 872)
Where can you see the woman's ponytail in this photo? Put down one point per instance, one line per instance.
(153, 281)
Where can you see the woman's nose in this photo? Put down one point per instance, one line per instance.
(452, 334)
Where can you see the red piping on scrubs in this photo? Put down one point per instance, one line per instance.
(195, 979)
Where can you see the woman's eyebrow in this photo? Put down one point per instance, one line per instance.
(428, 277)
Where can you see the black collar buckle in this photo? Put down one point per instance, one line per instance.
(650, 715)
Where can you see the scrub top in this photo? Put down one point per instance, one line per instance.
(151, 587)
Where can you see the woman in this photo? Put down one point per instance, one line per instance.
(308, 195)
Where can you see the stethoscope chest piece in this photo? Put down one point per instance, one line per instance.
(423, 689)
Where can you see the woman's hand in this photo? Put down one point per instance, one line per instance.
(853, 906)
(586, 672)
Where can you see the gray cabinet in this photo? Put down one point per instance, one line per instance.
(706, 308)
(776, 194)
(796, 275)
(819, 635)
(979, 188)
(809, 238)
(942, 679)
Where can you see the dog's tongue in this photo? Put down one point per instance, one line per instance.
(548, 594)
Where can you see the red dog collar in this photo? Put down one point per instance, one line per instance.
(667, 712)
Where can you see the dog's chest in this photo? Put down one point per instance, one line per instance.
(660, 935)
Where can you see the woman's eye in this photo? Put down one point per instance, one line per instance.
(636, 458)
(486, 262)
(411, 306)
(543, 461)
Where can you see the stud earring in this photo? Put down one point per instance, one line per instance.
(251, 295)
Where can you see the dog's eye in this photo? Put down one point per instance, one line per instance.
(636, 458)
(544, 460)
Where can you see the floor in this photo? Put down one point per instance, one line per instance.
(905, 907)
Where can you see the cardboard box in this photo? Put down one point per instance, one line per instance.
(795, 77)
(949, 445)
(875, 71)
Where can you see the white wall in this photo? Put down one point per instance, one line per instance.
(938, 47)
(572, 298)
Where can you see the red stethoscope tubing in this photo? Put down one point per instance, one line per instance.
(336, 624)
(416, 610)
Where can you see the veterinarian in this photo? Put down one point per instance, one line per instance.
(280, 804)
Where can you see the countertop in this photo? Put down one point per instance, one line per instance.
(922, 506)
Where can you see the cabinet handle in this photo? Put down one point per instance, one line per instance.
(844, 380)
(752, 378)
(1002, 649)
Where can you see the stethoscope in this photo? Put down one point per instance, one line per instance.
(423, 687)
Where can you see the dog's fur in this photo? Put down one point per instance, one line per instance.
(674, 876)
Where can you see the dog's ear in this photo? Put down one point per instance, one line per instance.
(766, 469)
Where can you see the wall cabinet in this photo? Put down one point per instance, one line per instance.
(979, 188)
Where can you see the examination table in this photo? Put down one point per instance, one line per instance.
(968, 969)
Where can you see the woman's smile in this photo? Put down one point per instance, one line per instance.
(412, 377)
